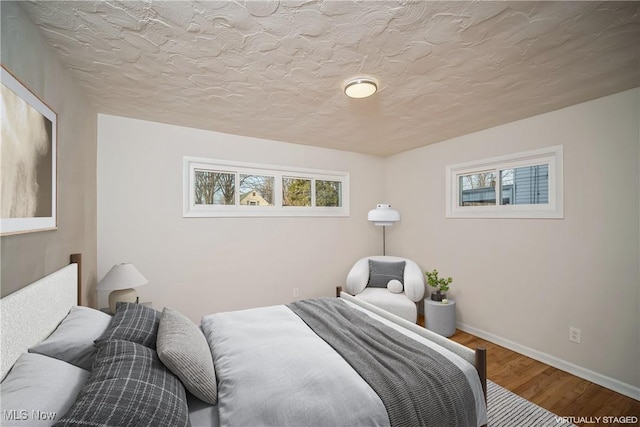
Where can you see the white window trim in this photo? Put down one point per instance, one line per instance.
(552, 156)
(191, 210)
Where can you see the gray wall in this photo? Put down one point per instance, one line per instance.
(28, 257)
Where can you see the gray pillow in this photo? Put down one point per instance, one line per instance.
(72, 341)
(133, 322)
(128, 386)
(183, 349)
(381, 272)
(38, 390)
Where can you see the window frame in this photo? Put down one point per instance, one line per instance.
(554, 209)
(193, 210)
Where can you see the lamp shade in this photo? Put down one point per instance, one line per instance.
(121, 276)
(383, 215)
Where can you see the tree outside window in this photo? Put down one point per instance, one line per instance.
(214, 188)
(328, 193)
(296, 192)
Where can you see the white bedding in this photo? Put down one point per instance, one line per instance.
(269, 364)
(202, 414)
(274, 371)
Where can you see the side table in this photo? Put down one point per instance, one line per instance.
(440, 318)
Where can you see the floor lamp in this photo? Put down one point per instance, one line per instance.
(383, 215)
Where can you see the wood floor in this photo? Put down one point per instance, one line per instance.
(555, 390)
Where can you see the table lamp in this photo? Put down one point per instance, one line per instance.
(121, 280)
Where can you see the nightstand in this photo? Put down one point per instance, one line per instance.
(440, 318)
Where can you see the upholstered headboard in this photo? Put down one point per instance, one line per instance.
(30, 314)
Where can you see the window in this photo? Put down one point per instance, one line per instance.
(527, 185)
(478, 189)
(256, 190)
(214, 188)
(296, 192)
(523, 185)
(328, 193)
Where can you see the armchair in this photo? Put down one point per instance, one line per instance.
(370, 277)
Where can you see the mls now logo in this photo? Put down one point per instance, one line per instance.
(15, 415)
(24, 415)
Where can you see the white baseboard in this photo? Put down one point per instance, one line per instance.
(589, 375)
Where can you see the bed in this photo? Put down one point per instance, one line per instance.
(299, 364)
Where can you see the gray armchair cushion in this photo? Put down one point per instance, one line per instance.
(381, 272)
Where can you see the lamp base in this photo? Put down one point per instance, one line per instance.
(121, 295)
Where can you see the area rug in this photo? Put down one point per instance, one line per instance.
(507, 409)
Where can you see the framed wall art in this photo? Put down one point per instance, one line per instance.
(27, 160)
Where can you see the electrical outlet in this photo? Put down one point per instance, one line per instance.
(575, 335)
(296, 292)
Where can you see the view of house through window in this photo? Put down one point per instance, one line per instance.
(518, 186)
(521, 185)
(478, 189)
(256, 190)
(224, 188)
(525, 186)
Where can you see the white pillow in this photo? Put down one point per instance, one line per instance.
(395, 286)
(72, 341)
(39, 390)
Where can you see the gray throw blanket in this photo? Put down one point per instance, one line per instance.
(417, 385)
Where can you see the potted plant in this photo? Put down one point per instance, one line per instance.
(441, 285)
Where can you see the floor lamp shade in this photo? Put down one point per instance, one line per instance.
(121, 280)
(383, 215)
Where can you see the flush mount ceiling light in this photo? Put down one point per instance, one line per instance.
(361, 87)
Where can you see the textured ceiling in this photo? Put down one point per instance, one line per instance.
(276, 69)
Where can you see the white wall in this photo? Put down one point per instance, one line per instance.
(519, 282)
(205, 265)
(524, 282)
(31, 256)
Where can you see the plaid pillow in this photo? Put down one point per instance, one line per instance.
(128, 386)
(133, 322)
